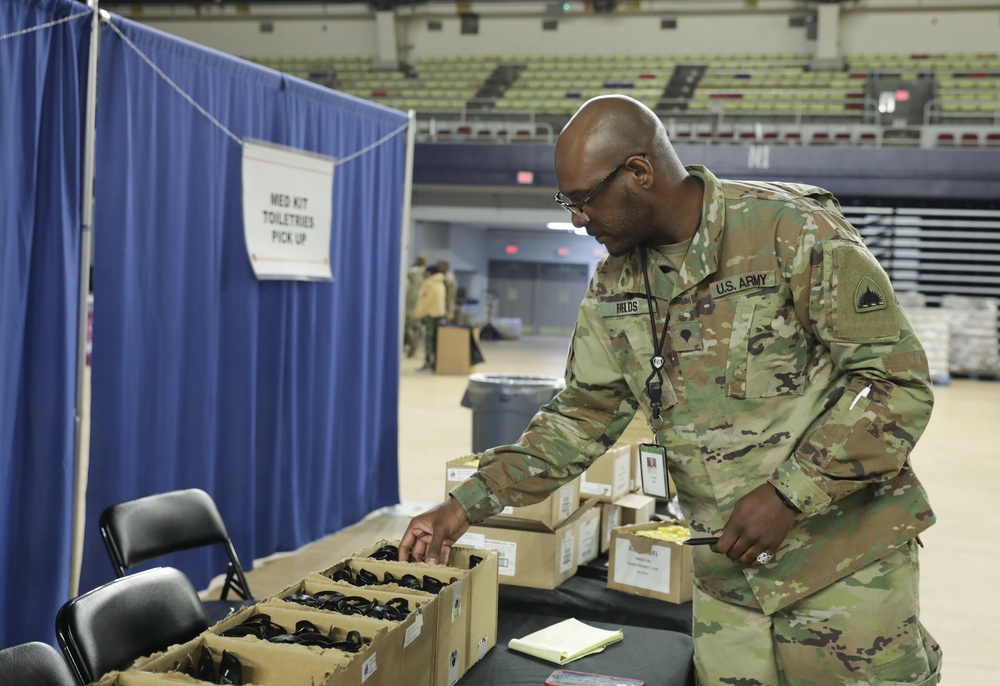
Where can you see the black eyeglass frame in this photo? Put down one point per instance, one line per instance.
(576, 208)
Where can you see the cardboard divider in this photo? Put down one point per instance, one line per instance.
(417, 633)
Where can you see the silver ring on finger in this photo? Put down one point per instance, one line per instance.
(763, 558)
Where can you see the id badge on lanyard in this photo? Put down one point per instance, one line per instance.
(653, 469)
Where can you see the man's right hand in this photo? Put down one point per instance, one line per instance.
(430, 536)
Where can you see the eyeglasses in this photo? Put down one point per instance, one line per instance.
(576, 208)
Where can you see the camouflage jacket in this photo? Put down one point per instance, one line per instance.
(780, 319)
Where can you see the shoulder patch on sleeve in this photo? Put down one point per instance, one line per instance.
(864, 306)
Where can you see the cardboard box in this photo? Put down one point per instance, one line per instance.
(550, 512)
(378, 662)
(588, 535)
(531, 555)
(263, 662)
(454, 350)
(608, 476)
(451, 644)
(636, 508)
(417, 633)
(611, 515)
(484, 594)
(649, 567)
(147, 679)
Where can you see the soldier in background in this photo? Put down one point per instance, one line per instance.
(411, 327)
(450, 290)
(430, 312)
(764, 345)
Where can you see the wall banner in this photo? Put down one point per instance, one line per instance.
(287, 212)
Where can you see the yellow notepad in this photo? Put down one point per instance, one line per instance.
(566, 641)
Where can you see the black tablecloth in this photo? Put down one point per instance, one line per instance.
(590, 600)
(659, 658)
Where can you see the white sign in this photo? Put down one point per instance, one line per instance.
(644, 570)
(287, 212)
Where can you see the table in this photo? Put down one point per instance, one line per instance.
(590, 600)
(658, 657)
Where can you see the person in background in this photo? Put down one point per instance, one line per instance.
(450, 290)
(411, 326)
(430, 311)
(782, 383)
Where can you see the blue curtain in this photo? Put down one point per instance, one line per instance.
(41, 126)
(279, 398)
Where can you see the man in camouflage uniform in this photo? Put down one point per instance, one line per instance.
(450, 290)
(793, 391)
(411, 326)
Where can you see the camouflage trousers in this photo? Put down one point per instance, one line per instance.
(860, 631)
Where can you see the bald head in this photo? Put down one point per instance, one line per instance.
(609, 128)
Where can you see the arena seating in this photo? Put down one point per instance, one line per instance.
(742, 99)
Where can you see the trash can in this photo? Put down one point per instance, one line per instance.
(503, 404)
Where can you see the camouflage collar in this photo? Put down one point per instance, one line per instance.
(702, 257)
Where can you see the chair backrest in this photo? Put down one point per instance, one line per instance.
(138, 530)
(109, 627)
(34, 664)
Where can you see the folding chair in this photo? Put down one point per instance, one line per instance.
(34, 664)
(111, 626)
(139, 530)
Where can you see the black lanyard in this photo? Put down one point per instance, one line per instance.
(657, 361)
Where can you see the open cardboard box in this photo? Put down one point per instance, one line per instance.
(263, 663)
(417, 633)
(550, 512)
(649, 567)
(452, 658)
(148, 679)
(379, 659)
(484, 593)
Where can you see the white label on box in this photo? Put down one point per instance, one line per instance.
(566, 558)
(650, 571)
(456, 602)
(623, 472)
(413, 631)
(483, 643)
(460, 473)
(453, 668)
(507, 550)
(593, 488)
(506, 555)
(588, 541)
(472, 540)
(368, 668)
(507, 510)
(614, 517)
(565, 501)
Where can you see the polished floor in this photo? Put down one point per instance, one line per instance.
(958, 460)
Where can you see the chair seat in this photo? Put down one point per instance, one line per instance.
(34, 664)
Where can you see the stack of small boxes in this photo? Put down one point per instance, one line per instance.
(539, 545)
(447, 629)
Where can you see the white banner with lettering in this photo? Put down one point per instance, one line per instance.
(287, 212)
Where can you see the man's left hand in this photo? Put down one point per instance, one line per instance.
(759, 523)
